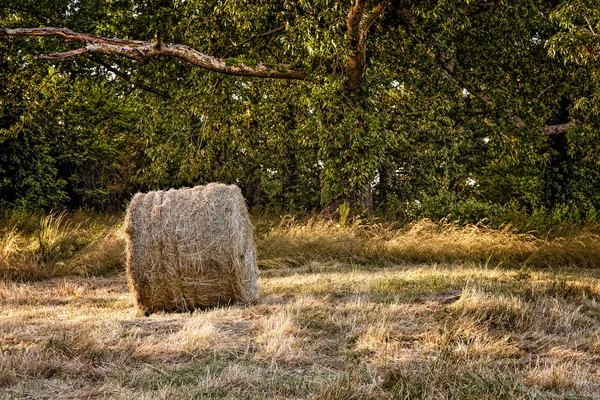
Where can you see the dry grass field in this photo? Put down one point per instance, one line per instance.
(431, 311)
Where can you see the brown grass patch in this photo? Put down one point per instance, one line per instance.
(294, 243)
(422, 332)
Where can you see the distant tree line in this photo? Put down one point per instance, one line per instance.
(476, 109)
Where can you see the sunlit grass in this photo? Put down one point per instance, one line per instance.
(293, 243)
(364, 311)
(34, 247)
(42, 246)
(423, 332)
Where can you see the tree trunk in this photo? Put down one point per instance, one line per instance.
(346, 151)
(558, 172)
(253, 192)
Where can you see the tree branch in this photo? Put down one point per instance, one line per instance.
(140, 50)
(558, 128)
(358, 24)
(370, 18)
(445, 61)
(356, 60)
(68, 34)
(448, 65)
(354, 17)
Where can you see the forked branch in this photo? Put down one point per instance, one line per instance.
(358, 22)
(140, 50)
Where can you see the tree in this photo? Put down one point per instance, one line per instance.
(372, 80)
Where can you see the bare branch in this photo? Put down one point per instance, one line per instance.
(70, 53)
(140, 50)
(558, 128)
(68, 34)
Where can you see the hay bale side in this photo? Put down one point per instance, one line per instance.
(190, 248)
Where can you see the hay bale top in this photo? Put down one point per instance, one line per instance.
(190, 248)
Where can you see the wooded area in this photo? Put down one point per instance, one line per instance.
(478, 109)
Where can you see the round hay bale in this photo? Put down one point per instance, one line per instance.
(190, 248)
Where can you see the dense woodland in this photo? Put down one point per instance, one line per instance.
(475, 109)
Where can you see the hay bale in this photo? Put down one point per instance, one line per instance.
(190, 248)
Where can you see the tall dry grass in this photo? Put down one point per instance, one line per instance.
(34, 247)
(292, 243)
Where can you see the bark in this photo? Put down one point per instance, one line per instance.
(368, 198)
(358, 23)
(558, 128)
(140, 51)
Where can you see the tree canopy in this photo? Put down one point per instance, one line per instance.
(399, 106)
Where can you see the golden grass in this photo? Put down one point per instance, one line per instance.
(338, 332)
(363, 311)
(39, 247)
(34, 247)
(293, 243)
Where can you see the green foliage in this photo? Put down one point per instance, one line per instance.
(418, 134)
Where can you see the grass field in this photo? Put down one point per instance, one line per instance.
(430, 311)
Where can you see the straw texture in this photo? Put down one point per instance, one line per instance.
(190, 248)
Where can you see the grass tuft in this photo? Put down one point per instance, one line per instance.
(495, 310)
(35, 247)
